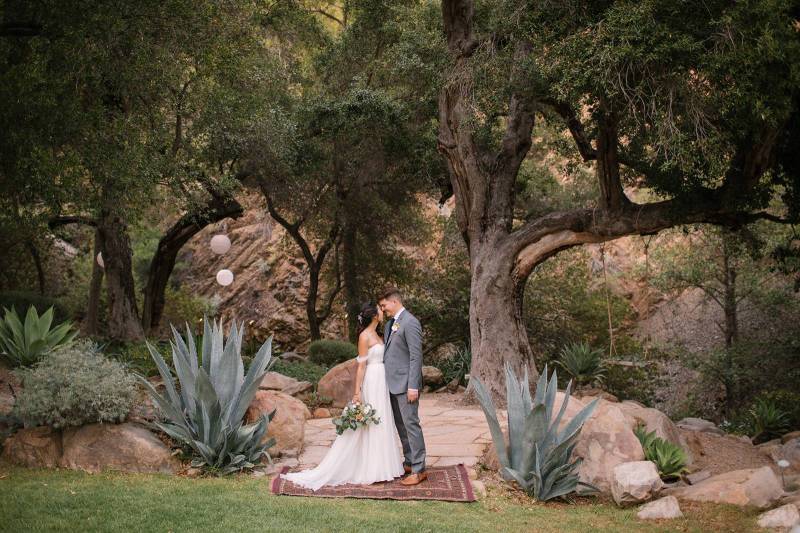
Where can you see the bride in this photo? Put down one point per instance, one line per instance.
(371, 453)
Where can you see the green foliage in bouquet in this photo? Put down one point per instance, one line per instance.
(669, 458)
(355, 416)
(24, 344)
(206, 413)
(582, 363)
(73, 386)
(538, 455)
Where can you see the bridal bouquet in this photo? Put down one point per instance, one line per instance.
(354, 416)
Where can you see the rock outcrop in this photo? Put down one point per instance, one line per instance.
(606, 441)
(38, 447)
(288, 425)
(661, 509)
(339, 383)
(784, 517)
(124, 447)
(635, 482)
(285, 384)
(756, 487)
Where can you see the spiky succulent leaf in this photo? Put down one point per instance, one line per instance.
(490, 412)
(214, 395)
(539, 457)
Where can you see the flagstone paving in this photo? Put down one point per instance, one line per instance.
(453, 434)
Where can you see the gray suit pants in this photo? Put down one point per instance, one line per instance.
(406, 419)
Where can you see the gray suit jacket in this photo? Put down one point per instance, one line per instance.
(402, 357)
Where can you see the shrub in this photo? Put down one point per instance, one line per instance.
(75, 385)
(538, 454)
(788, 402)
(206, 412)
(330, 353)
(457, 366)
(300, 370)
(24, 344)
(25, 299)
(767, 420)
(136, 356)
(582, 363)
(669, 458)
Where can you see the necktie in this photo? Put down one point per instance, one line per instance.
(390, 324)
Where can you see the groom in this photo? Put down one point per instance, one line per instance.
(403, 362)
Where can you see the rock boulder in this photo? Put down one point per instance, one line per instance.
(606, 441)
(756, 487)
(288, 425)
(339, 383)
(635, 482)
(661, 509)
(38, 447)
(124, 447)
(432, 376)
(698, 424)
(290, 386)
(784, 517)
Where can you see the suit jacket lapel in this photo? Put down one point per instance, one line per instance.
(392, 334)
(386, 335)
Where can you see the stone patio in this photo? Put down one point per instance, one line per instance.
(453, 434)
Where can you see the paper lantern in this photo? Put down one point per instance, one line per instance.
(224, 277)
(99, 260)
(220, 244)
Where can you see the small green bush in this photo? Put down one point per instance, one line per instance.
(330, 353)
(669, 458)
(582, 363)
(788, 402)
(73, 386)
(457, 366)
(300, 370)
(136, 356)
(767, 420)
(25, 343)
(25, 299)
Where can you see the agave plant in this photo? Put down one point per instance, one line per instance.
(206, 412)
(669, 458)
(583, 363)
(25, 344)
(767, 420)
(538, 455)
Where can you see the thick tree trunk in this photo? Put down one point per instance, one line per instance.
(37, 261)
(501, 256)
(497, 331)
(311, 302)
(352, 293)
(91, 322)
(123, 319)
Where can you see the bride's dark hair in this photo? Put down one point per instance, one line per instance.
(368, 311)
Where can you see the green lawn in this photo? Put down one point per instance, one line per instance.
(36, 500)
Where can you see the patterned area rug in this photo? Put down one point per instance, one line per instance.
(449, 483)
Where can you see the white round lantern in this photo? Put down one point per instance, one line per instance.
(99, 260)
(220, 244)
(224, 277)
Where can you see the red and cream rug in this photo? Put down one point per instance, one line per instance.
(448, 483)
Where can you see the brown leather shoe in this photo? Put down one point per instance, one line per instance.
(406, 469)
(414, 479)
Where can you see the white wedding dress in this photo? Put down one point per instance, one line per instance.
(368, 454)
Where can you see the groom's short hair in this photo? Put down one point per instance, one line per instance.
(391, 293)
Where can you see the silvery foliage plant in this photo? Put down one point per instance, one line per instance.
(538, 455)
(206, 411)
